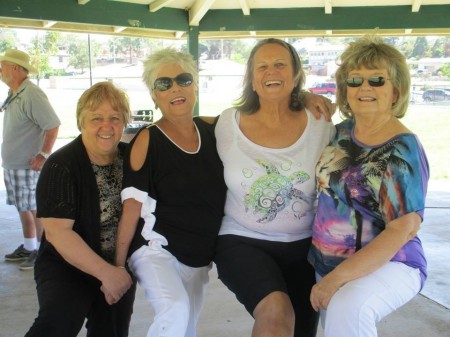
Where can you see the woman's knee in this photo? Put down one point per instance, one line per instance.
(354, 308)
(175, 305)
(275, 307)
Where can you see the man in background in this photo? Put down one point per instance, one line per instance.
(30, 128)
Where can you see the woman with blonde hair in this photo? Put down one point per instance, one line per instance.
(78, 201)
(372, 181)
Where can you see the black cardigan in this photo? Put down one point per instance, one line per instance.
(67, 189)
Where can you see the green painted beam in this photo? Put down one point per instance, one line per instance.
(98, 12)
(342, 18)
(113, 13)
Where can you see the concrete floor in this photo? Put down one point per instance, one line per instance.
(427, 315)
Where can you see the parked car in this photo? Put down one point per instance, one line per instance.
(327, 88)
(436, 95)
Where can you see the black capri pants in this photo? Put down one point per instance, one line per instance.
(67, 297)
(253, 268)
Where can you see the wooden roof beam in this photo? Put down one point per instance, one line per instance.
(198, 11)
(245, 7)
(158, 4)
(328, 7)
(416, 5)
(119, 29)
(48, 24)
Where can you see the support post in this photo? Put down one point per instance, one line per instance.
(192, 46)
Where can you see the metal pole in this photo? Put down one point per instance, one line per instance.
(90, 63)
(192, 45)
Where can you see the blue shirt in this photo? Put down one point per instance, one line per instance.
(361, 189)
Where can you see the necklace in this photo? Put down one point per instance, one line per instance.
(9, 99)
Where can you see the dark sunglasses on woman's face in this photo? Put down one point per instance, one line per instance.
(357, 81)
(165, 83)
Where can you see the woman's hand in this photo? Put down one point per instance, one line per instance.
(371, 257)
(115, 283)
(319, 105)
(115, 280)
(323, 291)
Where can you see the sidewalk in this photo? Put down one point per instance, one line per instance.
(428, 315)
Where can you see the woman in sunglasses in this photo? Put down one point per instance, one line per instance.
(173, 194)
(372, 181)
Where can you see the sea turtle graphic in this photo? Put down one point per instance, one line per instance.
(271, 193)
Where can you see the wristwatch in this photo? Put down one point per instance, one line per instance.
(45, 155)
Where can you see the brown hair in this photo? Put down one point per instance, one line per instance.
(248, 103)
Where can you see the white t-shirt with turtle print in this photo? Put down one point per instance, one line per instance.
(271, 192)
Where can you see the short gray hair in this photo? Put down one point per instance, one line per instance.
(167, 56)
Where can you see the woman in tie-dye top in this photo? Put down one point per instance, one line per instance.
(372, 181)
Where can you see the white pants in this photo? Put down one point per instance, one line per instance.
(355, 308)
(175, 291)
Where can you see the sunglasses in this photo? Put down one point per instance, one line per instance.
(357, 81)
(165, 83)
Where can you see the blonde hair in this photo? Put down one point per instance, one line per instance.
(91, 99)
(167, 56)
(372, 52)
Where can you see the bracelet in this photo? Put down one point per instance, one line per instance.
(45, 155)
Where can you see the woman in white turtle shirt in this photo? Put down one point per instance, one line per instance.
(269, 145)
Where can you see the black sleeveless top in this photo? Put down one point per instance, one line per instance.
(189, 190)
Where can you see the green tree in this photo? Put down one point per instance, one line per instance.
(446, 47)
(213, 49)
(79, 53)
(8, 39)
(445, 69)
(51, 41)
(241, 51)
(202, 49)
(39, 58)
(393, 40)
(438, 48)
(43, 47)
(420, 48)
(237, 49)
(131, 46)
(406, 46)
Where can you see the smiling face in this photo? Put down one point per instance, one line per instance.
(101, 132)
(273, 78)
(177, 100)
(368, 101)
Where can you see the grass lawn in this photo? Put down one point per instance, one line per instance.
(431, 122)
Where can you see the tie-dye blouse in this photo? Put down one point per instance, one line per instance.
(361, 189)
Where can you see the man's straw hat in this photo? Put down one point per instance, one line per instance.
(20, 58)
